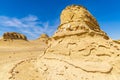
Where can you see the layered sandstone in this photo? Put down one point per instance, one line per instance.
(80, 50)
(78, 33)
(14, 36)
(76, 20)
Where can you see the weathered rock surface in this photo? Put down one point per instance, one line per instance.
(14, 36)
(79, 50)
(77, 37)
(76, 20)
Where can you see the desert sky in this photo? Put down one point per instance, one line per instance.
(34, 17)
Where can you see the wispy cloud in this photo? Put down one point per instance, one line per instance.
(29, 25)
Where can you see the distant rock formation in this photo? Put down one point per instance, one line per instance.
(43, 38)
(14, 36)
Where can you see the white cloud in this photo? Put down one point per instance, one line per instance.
(30, 25)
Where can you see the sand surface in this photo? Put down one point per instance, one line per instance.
(13, 52)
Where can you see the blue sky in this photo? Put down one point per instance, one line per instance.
(34, 17)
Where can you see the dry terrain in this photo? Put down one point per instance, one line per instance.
(14, 51)
(78, 50)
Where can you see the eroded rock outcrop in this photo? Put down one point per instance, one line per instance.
(14, 36)
(79, 34)
(84, 46)
(76, 20)
(43, 38)
(79, 50)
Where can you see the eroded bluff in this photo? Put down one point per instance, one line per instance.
(14, 36)
(79, 50)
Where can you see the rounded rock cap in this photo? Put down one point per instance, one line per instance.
(77, 13)
(76, 20)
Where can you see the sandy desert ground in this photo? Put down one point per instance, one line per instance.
(15, 51)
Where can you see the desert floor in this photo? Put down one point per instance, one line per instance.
(13, 52)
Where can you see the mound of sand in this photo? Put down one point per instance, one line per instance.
(79, 50)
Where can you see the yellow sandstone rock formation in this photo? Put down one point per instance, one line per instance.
(77, 37)
(80, 50)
